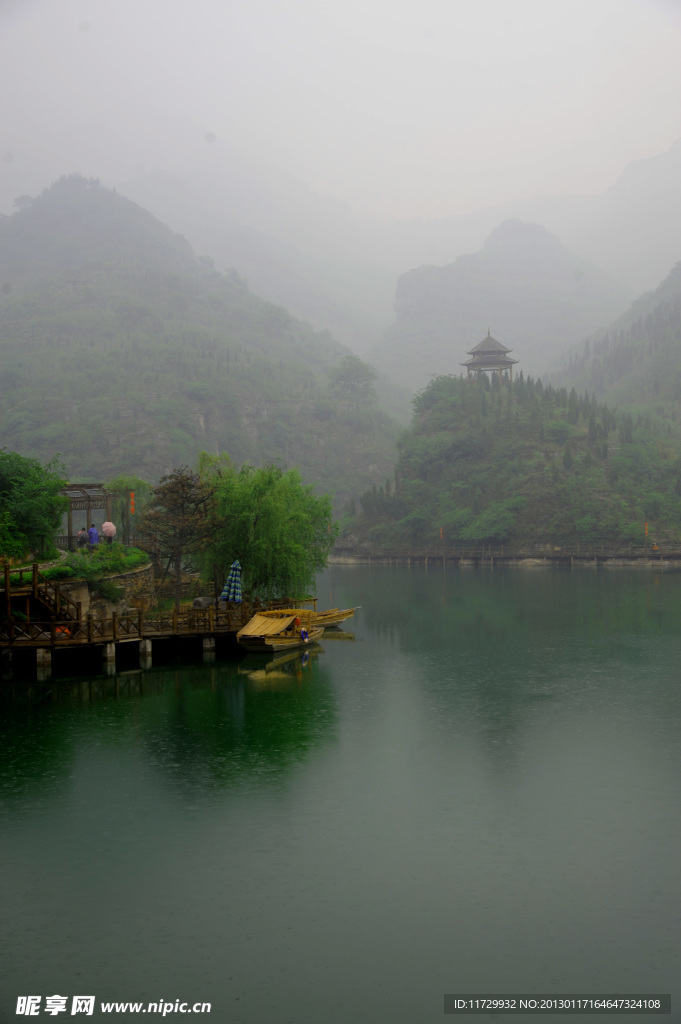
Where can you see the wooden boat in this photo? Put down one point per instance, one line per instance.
(308, 616)
(279, 630)
(333, 616)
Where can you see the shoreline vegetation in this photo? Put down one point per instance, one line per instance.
(520, 468)
(265, 517)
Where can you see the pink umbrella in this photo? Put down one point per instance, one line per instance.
(108, 529)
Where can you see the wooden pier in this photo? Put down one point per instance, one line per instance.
(39, 615)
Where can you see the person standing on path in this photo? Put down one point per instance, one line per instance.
(109, 531)
(93, 537)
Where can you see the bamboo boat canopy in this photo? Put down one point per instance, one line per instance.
(265, 625)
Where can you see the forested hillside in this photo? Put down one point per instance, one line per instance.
(534, 294)
(636, 363)
(523, 465)
(296, 249)
(125, 354)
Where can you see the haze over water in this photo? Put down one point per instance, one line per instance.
(479, 793)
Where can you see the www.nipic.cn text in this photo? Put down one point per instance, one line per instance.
(31, 1006)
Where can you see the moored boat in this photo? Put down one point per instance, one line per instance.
(333, 616)
(309, 616)
(279, 630)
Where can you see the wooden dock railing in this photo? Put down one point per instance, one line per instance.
(66, 626)
(67, 632)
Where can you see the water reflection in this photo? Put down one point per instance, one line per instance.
(487, 608)
(282, 670)
(200, 726)
(238, 730)
(493, 652)
(476, 793)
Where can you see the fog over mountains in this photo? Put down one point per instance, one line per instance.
(322, 151)
(328, 265)
(123, 352)
(308, 254)
(535, 295)
(413, 297)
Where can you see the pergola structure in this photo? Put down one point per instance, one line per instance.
(489, 356)
(86, 498)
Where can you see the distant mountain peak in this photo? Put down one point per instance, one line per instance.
(542, 296)
(521, 238)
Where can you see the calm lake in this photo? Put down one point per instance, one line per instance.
(473, 790)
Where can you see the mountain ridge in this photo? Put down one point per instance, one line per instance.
(125, 353)
(524, 284)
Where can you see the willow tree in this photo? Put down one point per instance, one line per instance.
(178, 520)
(276, 526)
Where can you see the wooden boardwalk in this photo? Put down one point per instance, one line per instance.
(60, 622)
(121, 628)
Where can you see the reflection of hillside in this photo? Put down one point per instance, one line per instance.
(507, 606)
(491, 650)
(201, 726)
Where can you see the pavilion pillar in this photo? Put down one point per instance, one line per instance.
(69, 543)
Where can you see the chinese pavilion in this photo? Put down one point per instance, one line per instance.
(88, 498)
(489, 356)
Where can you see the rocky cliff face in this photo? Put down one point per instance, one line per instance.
(535, 295)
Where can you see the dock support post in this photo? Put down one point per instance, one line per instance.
(43, 663)
(208, 648)
(145, 653)
(109, 659)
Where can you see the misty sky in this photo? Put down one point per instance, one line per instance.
(401, 108)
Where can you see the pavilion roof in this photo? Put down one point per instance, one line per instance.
(83, 496)
(489, 345)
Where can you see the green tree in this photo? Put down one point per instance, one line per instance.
(276, 526)
(179, 519)
(496, 522)
(31, 506)
(352, 380)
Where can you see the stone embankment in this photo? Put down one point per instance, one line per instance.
(659, 560)
(137, 586)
